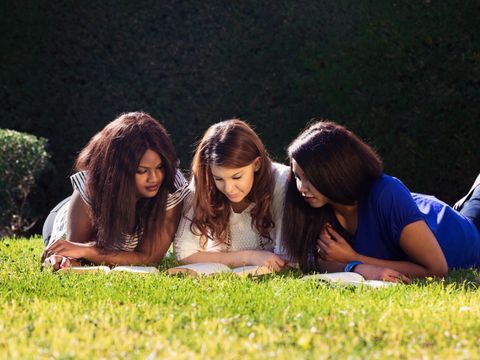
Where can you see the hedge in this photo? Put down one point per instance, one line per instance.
(405, 75)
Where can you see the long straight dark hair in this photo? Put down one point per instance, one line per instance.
(232, 144)
(341, 167)
(111, 159)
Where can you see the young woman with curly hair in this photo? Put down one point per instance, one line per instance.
(234, 215)
(127, 198)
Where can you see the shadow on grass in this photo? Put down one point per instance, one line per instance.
(467, 279)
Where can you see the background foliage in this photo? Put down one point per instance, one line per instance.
(22, 159)
(404, 74)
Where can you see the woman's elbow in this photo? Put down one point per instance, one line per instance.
(439, 270)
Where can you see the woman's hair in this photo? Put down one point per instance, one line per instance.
(111, 159)
(230, 144)
(341, 167)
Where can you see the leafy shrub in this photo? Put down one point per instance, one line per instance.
(396, 72)
(22, 158)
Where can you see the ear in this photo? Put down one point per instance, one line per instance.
(257, 163)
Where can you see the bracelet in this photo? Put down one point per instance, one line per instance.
(349, 267)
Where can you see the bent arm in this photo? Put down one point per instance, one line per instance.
(151, 250)
(80, 241)
(238, 258)
(419, 243)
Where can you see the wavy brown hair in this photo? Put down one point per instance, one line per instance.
(231, 144)
(111, 159)
(341, 167)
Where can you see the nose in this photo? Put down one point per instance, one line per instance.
(302, 186)
(228, 187)
(153, 176)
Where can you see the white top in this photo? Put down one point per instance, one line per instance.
(242, 235)
(129, 241)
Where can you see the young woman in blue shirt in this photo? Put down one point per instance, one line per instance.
(345, 214)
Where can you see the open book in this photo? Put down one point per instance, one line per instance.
(105, 269)
(203, 269)
(349, 278)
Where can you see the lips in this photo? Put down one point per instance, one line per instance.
(152, 188)
(308, 198)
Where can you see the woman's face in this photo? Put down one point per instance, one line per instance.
(311, 195)
(149, 175)
(235, 183)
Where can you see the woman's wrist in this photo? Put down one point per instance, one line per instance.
(92, 254)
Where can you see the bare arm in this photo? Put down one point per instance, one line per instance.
(80, 241)
(368, 271)
(150, 252)
(419, 243)
(416, 240)
(238, 258)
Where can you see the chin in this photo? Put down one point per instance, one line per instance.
(148, 195)
(236, 200)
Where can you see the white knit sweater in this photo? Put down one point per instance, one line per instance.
(242, 235)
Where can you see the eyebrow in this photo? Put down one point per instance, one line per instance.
(147, 167)
(236, 174)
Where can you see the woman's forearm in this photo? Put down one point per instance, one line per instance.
(408, 268)
(117, 257)
(232, 259)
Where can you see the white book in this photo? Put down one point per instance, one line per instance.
(349, 279)
(205, 269)
(106, 269)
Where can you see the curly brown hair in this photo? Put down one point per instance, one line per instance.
(111, 159)
(232, 144)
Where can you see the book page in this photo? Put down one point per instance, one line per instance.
(251, 270)
(349, 278)
(337, 276)
(136, 269)
(85, 269)
(199, 269)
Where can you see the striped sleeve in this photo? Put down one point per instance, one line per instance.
(79, 181)
(181, 191)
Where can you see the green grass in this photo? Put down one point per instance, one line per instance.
(48, 315)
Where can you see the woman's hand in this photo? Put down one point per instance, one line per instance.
(58, 262)
(70, 249)
(267, 258)
(331, 246)
(374, 272)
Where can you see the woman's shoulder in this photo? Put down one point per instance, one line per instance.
(386, 183)
(180, 192)
(79, 181)
(79, 177)
(280, 171)
(280, 176)
(389, 189)
(179, 181)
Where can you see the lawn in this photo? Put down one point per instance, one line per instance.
(121, 315)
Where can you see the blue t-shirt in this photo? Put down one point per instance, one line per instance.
(389, 207)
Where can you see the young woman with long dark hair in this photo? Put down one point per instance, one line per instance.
(235, 212)
(344, 213)
(127, 198)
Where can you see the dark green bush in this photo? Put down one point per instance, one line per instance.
(403, 74)
(22, 159)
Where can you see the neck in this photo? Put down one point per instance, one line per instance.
(239, 207)
(345, 210)
(347, 216)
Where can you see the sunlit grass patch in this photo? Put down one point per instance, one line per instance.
(48, 315)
